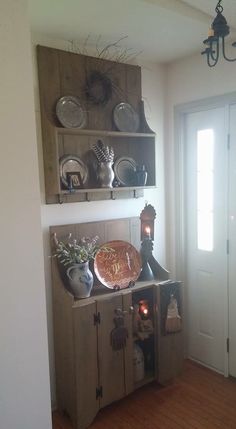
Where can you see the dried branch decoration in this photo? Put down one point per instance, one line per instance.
(100, 84)
(112, 51)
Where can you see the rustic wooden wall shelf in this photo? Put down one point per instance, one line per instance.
(64, 73)
(90, 374)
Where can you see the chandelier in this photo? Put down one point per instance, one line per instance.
(217, 33)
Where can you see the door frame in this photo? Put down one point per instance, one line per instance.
(180, 112)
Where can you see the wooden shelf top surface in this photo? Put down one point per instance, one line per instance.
(101, 292)
(118, 189)
(102, 133)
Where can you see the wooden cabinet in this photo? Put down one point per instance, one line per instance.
(65, 73)
(90, 374)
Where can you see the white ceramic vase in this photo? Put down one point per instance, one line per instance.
(80, 279)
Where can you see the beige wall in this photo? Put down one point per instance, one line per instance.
(24, 372)
(153, 88)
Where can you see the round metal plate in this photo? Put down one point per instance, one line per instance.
(125, 171)
(125, 118)
(70, 112)
(70, 164)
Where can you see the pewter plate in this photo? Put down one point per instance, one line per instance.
(70, 164)
(70, 112)
(125, 171)
(125, 118)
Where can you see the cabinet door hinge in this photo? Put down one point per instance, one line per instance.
(228, 142)
(99, 392)
(227, 247)
(227, 345)
(96, 319)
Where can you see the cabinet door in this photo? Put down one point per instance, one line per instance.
(111, 362)
(170, 346)
(128, 350)
(86, 366)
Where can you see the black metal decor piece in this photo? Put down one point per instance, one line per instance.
(216, 36)
(150, 267)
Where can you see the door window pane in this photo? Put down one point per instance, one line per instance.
(205, 191)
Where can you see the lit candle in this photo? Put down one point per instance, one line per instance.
(143, 309)
(148, 231)
(211, 32)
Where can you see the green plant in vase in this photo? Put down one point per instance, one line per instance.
(75, 251)
(76, 255)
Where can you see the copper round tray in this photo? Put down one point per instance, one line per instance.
(119, 266)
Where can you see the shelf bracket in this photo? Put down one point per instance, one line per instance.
(60, 199)
(87, 197)
(112, 195)
(135, 194)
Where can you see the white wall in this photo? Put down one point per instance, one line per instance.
(153, 84)
(24, 373)
(189, 80)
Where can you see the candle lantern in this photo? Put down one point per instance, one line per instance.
(147, 218)
(150, 267)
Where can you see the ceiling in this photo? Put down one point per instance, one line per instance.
(162, 30)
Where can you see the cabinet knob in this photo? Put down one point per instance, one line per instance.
(131, 309)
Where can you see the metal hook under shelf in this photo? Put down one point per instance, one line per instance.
(60, 199)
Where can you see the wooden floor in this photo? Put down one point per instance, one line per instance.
(199, 399)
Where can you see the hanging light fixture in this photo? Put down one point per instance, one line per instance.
(217, 33)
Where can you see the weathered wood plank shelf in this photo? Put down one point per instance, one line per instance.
(113, 190)
(65, 73)
(99, 194)
(102, 133)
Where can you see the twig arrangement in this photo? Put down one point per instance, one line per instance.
(100, 83)
(113, 51)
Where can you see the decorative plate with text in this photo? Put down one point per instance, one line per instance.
(118, 266)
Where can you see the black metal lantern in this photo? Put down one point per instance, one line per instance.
(147, 218)
(150, 267)
(216, 38)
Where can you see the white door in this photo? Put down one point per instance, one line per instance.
(232, 243)
(206, 185)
